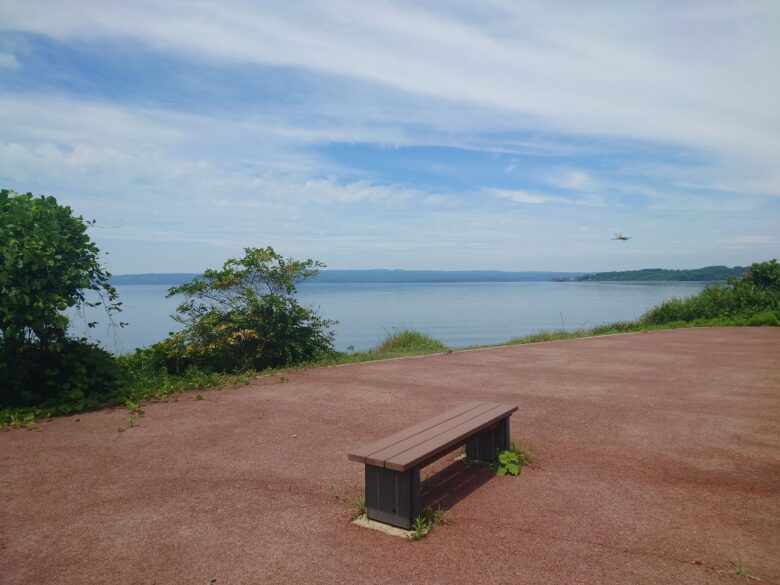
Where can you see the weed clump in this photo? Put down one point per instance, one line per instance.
(425, 522)
(403, 343)
(513, 460)
(409, 341)
(740, 569)
(524, 452)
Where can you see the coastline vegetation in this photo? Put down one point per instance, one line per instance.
(402, 343)
(753, 300)
(240, 320)
(706, 274)
(48, 264)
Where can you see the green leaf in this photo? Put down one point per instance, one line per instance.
(513, 468)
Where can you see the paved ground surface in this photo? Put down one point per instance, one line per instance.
(659, 462)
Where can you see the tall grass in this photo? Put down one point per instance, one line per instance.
(403, 343)
(409, 341)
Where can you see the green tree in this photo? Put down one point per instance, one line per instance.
(764, 275)
(756, 293)
(246, 316)
(47, 265)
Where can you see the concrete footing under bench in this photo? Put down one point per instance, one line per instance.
(364, 522)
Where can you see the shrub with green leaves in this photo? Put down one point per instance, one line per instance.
(245, 316)
(47, 265)
(741, 300)
(74, 375)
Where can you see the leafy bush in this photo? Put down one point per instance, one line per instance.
(71, 375)
(739, 302)
(147, 378)
(764, 275)
(765, 318)
(245, 317)
(47, 265)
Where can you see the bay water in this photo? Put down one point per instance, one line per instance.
(458, 314)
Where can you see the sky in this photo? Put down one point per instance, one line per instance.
(498, 134)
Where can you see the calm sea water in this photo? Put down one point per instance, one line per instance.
(459, 314)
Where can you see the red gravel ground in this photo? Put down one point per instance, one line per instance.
(659, 462)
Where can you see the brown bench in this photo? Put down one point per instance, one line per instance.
(393, 464)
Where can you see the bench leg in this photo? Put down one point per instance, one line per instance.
(485, 445)
(392, 497)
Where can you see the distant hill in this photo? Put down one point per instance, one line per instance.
(411, 276)
(708, 273)
(375, 276)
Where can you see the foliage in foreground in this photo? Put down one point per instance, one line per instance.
(144, 377)
(241, 318)
(506, 463)
(137, 382)
(245, 316)
(47, 265)
(754, 298)
(513, 460)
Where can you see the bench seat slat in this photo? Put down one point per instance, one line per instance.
(429, 435)
(449, 438)
(362, 453)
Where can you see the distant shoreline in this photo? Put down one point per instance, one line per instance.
(706, 274)
(374, 276)
(380, 276)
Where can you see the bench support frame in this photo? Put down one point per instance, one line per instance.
(393, 497)
(486, 444)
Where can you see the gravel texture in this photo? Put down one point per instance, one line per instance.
(658, 462)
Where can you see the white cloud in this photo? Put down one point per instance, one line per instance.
(64, 121)
(524, 197)
(505, 77)
(533, 198)
(601, 70)
(571, 179)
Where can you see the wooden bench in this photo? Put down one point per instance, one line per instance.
(393, 464)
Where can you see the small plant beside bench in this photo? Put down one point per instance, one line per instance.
(392, 465)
